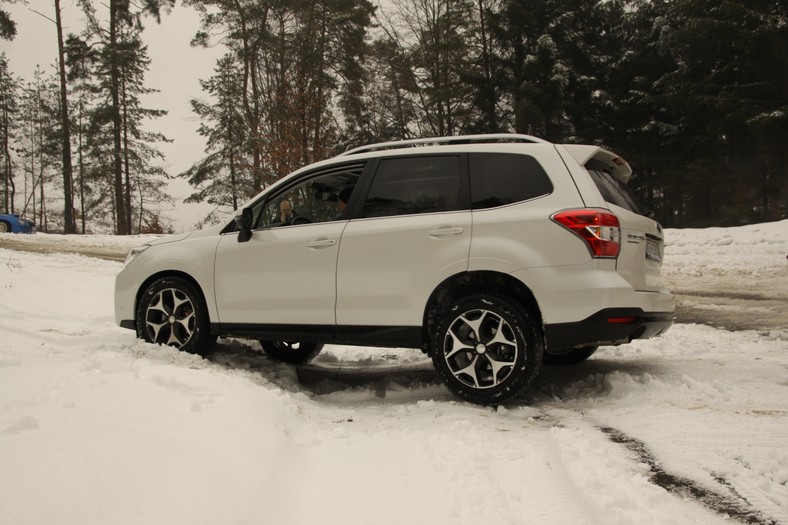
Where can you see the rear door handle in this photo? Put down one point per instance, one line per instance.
(321, 243)
(446, 231)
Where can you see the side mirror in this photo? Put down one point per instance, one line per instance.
(244, 222)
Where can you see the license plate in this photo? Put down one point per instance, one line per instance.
(652, 251)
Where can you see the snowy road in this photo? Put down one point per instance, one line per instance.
(734, 278)
(97, 427)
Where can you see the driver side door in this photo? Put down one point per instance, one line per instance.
(284, 276)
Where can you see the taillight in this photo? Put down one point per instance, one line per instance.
(599, 229)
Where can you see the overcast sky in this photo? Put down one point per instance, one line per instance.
(175, 70)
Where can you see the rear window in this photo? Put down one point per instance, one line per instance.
(498, 179)
(614, 191)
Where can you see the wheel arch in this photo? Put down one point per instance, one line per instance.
(171, 273)
(468, 283)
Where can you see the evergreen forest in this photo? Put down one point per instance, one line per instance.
(692, 93)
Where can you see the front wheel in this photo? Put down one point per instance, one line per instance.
(172, 312)
(569, 356)
(487, 349)
(4, 227)
(293, 352)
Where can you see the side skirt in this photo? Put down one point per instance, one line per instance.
(385, 336)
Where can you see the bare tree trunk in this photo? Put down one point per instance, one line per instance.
(122, 227)
(42, 220)
(68, 195)
(8, 178)
(81, 170)
(127, 170)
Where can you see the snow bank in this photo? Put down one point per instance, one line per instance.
(120, 243)
(758, 251)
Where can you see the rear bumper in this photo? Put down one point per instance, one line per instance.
(610, 326)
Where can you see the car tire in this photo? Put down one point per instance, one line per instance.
(293, 352)
(487, 349)
(171, 311)
(5, 227)
(570, 356)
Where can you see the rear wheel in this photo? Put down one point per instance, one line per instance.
(487, 349)
(4, 227)
(293, 352)
(569, 356)
(172, 312)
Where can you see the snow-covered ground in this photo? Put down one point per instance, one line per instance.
(97, 427)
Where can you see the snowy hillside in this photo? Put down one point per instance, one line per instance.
(97, 427)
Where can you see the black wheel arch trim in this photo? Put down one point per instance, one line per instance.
(163, 275)
(472, 282)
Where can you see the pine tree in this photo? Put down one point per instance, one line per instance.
(732, 93)
(9, 93)
(38, 144)
(125, 21)
(430, 39)
(244, 23)
(120, 70)
(532, 70)
(389, 110)
(80, 61)
(223, 176)
(301, 65)
(7, 26)
(482, 71)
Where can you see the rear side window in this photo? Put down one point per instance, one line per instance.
(423, 184)
(498, 179)
(614, 191)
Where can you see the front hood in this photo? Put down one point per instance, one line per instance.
(203, 232)
(169, 238)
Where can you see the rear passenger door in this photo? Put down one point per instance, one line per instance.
(512, 198)
(411, 231)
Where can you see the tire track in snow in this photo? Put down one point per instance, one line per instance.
(750, 492)
(734, 506)
(543, 495)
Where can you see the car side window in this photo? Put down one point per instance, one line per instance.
(414, 185)
(316, 199)
(498, 179)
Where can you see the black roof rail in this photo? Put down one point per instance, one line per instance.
(442, 141)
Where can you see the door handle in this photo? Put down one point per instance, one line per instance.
(321, 243)
(446, 231)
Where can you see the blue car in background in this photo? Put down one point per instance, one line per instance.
(13, 224)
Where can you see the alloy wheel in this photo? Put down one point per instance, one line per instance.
(169, 318)
(480, 349)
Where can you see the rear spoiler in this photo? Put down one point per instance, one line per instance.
(582, 154)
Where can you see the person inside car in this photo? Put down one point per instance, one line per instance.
(342, 199)
(286, 216)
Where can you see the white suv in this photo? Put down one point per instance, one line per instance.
(492, 253)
